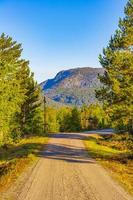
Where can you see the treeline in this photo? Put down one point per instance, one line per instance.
(20, 97)
(117, 60)
(72, 119)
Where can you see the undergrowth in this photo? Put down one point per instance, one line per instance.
(16, 157)
(115, 152)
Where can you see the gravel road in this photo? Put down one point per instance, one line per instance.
(65, 172)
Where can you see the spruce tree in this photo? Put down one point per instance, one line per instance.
(31, 115)
(117, 60)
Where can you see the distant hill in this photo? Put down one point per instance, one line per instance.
(74, 86)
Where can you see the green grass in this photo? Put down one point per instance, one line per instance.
(99, 151)
(15, 159)
(114, 157)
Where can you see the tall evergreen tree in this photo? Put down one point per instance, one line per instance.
(20, 96)
(30, 117)
(117, 60)
(11, 96)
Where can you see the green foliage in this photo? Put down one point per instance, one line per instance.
(63, 117)
(20, 108)
(69, 119)
(72, 119)
(51, 120)
(84, 117)
(11, 95)
(31, 116)
(117, 60)
(75, 120)
(94, 117)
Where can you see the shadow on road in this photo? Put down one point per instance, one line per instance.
(69, 135)
(66, 152)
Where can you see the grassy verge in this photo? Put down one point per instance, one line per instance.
(116, 154)
(17, 157)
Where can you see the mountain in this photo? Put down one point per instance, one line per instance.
(74, 86)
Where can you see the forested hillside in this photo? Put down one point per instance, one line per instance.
(73, 87)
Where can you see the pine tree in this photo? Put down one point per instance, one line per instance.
(11, 96)
(117, 60)
(20, 96)
(31, 115)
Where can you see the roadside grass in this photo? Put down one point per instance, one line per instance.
(110, 152)
(17, 157)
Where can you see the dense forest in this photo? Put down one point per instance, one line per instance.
(71, 119)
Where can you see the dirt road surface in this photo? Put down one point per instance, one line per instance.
(65, 172)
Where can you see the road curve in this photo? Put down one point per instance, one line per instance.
(65, 172)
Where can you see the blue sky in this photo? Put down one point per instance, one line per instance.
(60, 34)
